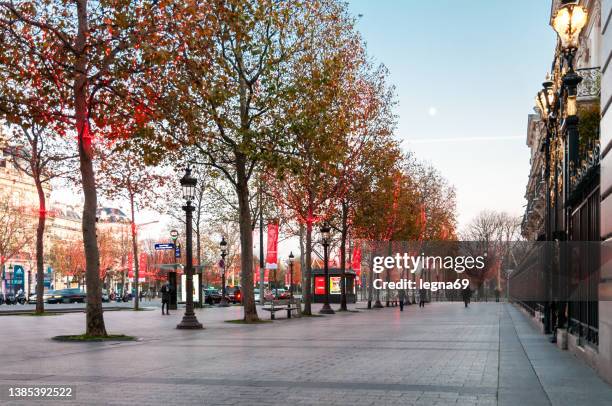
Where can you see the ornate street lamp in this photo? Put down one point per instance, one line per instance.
(325, 235)
(546, 104)
(223, 248)
(188, 184)
(568, 22)
(291, 260)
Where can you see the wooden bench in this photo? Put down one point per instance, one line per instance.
(277, 305)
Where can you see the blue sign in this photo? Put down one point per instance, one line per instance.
(164, 246)
(177, 252)
(47, 278)
(18, 275)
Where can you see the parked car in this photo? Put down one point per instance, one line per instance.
(49, 296)
(74, 295)
(237, 296)
(105, 296)
(233, 294)
(211, 296)
(257, 295)
(281, 293)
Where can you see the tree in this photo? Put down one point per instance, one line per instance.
(41, 154)
(124, 175)
(78, 56)
(16, 228)
(495, 234)
(438, 200)
(327, 118)
(228, 75)
(68, 258)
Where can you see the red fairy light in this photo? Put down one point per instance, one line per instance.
(85, 137)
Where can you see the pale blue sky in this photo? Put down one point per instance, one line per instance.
(465, 69)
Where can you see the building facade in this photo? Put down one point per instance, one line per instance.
(605, 286)
(62, 238)
(570, 139)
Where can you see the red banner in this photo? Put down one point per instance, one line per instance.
(356, 265)
(272, 249)
(266, 275)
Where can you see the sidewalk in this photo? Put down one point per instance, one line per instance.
(443, 354)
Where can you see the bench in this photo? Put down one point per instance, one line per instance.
(288, 305)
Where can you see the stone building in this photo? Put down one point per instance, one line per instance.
(605, 287)
(570, 139)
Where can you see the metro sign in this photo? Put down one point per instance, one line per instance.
(164, 246)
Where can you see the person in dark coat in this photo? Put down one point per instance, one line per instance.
(466, 293)
(166, 291)
(422, 297)
(402, 298)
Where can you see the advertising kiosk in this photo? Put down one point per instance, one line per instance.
(335, 290)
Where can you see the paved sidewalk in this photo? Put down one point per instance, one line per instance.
(443, 354)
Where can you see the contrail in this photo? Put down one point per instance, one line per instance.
(463, 139)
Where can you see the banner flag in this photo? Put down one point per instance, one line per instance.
(356, 265)
(272, 251)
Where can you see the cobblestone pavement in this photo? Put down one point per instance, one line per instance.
(443, 354)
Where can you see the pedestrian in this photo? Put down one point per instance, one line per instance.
(422, 296)
(466, 293)
(166, 291)
(402, 297)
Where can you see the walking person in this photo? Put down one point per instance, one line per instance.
(165, 291)
(422, 296)
(466, 293)
(402, 297)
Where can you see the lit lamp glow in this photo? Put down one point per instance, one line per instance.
(569, 21)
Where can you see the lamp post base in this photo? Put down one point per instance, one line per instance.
(378, 305)
(223, 303)
(189, 322)
(326, 309)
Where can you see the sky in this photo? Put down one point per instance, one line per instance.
(466, 74)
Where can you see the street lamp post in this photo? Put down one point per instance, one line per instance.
(325, 233)
(188, 184)
(568, 22)
(508, 273)
(291, 260)
(223, 247)
(546, 104)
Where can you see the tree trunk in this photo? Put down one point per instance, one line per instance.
(95, 317)
(40, 232)
(306, 289)
(343, 237)
(302, 261)
(246, 240)
(135, 254)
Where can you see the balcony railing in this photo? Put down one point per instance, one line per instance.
(591, 82)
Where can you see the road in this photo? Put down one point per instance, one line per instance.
(443, 354)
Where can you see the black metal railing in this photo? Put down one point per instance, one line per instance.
(591, 82)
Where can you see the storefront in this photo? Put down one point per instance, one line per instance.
(335, 286)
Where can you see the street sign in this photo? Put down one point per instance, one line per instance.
(164, 246)
(177, 251)
(174, 235)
